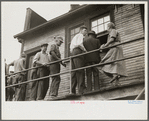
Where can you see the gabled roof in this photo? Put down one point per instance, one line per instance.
(32, 19)
(49, 22)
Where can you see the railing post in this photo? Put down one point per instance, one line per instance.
(140, 94)
(70, 68)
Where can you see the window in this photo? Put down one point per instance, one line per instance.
(72, 32)
(100, 24)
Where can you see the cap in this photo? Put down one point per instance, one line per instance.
(23, 54)
(44, 44)
(82, 27)
(92, 32)
(60, 38)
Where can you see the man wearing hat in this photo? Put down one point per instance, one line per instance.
(91, 43)
(19, 65)
(77, 47)
(40, 87)
(55, 68)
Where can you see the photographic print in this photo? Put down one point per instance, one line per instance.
(62, 60)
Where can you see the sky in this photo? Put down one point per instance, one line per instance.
(13, 18)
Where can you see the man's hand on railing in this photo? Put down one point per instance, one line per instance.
(63, 64)
(102, 46)
(44, 64)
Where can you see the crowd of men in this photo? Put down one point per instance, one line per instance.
(79, 44)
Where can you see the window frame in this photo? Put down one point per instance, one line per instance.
(98, 17)
(69, 35)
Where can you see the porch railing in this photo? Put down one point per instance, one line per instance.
(72, 70)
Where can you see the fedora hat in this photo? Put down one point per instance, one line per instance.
(92, 32)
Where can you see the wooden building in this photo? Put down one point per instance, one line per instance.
(129, 21)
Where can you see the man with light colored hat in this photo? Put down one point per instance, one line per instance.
(77, 47)
(55, 68)
(91, 43)
(40, 87)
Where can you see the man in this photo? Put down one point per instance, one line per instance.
(91, 43)
(6, 78)
(55, 68)
(77, 47)
(10, 90)
(19, 65)
(40, 87)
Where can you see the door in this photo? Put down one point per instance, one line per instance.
(28, 87)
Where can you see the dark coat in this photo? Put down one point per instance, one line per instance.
(90, 44)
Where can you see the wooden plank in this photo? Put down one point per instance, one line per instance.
(125, 11)
(126, 8)
(137, 27)
(125, 16)
(136, 18)
(128, 38)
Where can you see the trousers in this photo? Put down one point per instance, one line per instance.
(95, 72)
(39, 88)
(20, 89)
(78, 77)
(54, 69)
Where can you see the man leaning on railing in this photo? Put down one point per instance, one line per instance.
(91, 43)
(39, 88)
(19, 65)
(77, 47)
(55, 67)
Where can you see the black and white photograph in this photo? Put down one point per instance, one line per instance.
(74, 60)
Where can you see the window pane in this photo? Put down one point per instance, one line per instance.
(95, 29)
(107, 18)
(77, 30)
(105, 25)
(94, 23)
(100, 28)
(72, 37)
(72, 31)
(100, 21)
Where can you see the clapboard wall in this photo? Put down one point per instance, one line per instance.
(129, 24)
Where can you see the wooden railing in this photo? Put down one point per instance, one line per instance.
(70, 59)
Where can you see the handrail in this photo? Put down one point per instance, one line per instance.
(77, 56)
(100, 64)
(140, 94)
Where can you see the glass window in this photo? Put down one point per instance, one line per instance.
(101, 28)
(73, 31)
(100, 21)
(95, 29)
(94, 23)
(100, 24)
(107, 18)
(77, 30)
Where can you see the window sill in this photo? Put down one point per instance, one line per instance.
(102, 33)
